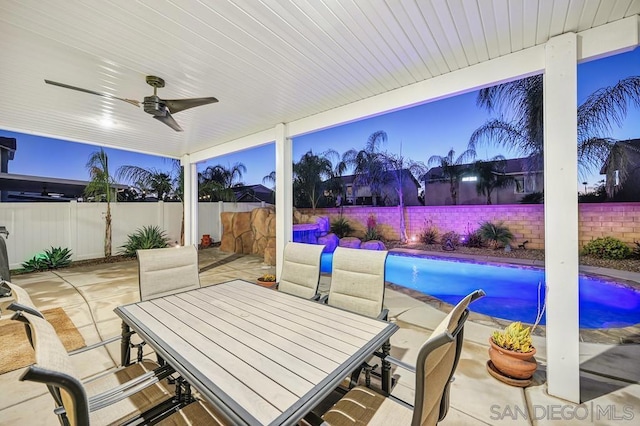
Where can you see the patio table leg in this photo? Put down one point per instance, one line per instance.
(125, 345)
(386, 368)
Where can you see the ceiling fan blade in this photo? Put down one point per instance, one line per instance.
(105, 95)
(177, 105)
(169, 121)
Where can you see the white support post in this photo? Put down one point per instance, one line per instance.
(190, 201)
(561, 216)
(284, 193)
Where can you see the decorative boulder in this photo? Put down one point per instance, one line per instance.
(350, 242)
(373, 245)
(330, 242)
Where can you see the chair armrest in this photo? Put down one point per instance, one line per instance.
(324, 299)
(384, 315)
(15, 306)
(96, 345)
(131, 387)
(400, 364)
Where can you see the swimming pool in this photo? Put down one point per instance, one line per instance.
(512, 292)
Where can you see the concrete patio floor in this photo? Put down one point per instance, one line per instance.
(610, 375)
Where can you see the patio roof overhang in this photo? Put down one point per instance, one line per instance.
(283, 69)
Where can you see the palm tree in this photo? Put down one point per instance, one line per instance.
(491, 176)
(151, 180)
(452, 168)
(399, 169)
(309, 175)
(522, 101)
(100, 188)
(217, 181)
(368, 165)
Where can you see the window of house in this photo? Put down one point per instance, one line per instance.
(525, 184)
(470, 178)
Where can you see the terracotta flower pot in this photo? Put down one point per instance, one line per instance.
(263, 283)
(517, 365)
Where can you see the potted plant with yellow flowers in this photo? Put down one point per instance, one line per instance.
(511, 352)
(267, 280)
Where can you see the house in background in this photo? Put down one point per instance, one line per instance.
(361, 195)
(624, 186)
(437, 189)
(254, 193)
(17, 188)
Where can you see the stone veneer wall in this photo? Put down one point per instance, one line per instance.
(526, 221)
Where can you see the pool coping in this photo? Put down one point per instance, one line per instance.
(616, 336)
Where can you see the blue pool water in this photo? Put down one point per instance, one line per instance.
(512, 292)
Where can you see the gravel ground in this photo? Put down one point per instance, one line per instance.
(632, 265)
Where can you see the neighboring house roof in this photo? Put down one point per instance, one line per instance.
(512, 166)
(632, 145)
(253, 193)
(349, 179)
(39, 187)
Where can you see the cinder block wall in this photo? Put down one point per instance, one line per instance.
(526, 221)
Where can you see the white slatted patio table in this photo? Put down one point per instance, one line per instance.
(260, 356)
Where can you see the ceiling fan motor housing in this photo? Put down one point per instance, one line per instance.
(153, 105)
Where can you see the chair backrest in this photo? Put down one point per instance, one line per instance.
(21, 299)
(437, 361)
(357, 280)
(167, 271)
(301, 269)
(53, 367)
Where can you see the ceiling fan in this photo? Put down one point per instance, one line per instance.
(160, 109)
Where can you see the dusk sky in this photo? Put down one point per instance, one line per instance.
(422, 131)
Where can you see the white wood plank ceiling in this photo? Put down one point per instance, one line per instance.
(267, 61)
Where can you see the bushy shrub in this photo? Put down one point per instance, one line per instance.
(496, 234)
(429, 234)
(57, 257)
(533, 198)
(636, 250)
(372, 230)
(341, 227)
(149, 237)
(53, 258)
(607, 248)
(451, 236)
(473, 239)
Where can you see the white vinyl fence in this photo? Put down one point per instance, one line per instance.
(34, 227)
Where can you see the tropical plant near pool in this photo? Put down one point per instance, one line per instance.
(372, 231)
(341, 227)
(149, 237)
(495, 234)
(429, 234)
(607, 248)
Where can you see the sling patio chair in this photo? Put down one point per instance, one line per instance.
(22, 302)
(167, 271)
(21, 299)
(301, 269)
(357, 285)
(134, 392)
(437, 361)
(357, 281)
